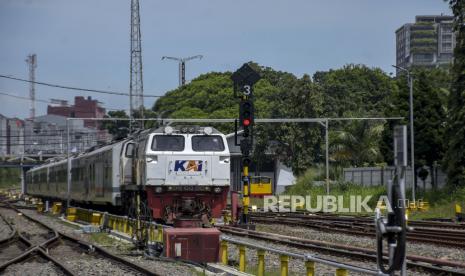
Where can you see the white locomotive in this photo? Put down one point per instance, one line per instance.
(182, 172)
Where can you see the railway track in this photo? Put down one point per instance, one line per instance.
(365, 227)
(38, 247)
(432, 265)
(358, 220)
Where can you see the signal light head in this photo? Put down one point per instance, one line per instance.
(246, 122)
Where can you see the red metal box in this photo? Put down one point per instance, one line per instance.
(193, 244)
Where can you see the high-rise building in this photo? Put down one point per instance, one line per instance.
(429, 42)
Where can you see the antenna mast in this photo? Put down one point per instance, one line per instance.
(136, 87)
(32, 64)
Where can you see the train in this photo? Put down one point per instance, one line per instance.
(181, 172)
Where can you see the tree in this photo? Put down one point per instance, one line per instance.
(115, 127)
(454, 160)
(429, 123)
(430, 92)
(354, 89)
(357, 144)
(299, 143)
(211, 96)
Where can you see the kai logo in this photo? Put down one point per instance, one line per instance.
(188, 165)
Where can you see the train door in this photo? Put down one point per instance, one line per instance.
(88, 183)
(127, 163)
(100, 170)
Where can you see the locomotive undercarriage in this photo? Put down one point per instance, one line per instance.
(185, 210)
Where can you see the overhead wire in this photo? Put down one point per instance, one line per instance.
(45, 101)
(76, 88)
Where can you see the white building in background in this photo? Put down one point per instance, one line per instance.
(11, 136)
(47, 134)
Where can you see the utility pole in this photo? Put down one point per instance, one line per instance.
(136, 87)
(412, 135)
(32, 64)
(182, 66)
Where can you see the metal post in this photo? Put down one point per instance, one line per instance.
(261, 262)
(327, 155)
(224, 252)
(23, 184)
(183, 72)
(242, 260)
(180, 73)
(245, 195)
(412, 147)
(68, 168)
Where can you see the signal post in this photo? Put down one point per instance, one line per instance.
(244, 79)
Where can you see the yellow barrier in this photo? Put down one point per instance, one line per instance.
(261, 262)
(71, 214)
(310, 268)
(160, 233)
(224, 252)
(284, 265)
(96, 217)
(117, 223)
(310, 260)
(40, 207)
(242, 261)
(56, 208)
(423, 205)
(342, 272)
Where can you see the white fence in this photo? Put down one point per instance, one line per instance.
(376, 176)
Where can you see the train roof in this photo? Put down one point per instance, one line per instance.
(186, 129)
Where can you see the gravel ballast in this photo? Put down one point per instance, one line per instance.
(33, 268)
(161, 267)
(413, 248)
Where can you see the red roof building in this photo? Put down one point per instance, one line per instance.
(82, 108)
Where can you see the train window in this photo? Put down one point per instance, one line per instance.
(130, 150)
(168, 143)
(207, 143)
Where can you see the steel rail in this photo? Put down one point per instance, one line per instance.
(360, 219)
(454, 239)
(99, 250)
(431, 264)
(36, 250)
(306, 257)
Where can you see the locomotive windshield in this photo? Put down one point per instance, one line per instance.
(168, 143)
(207, 143)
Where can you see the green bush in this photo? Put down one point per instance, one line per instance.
(9, 178)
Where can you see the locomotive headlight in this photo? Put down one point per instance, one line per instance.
(217, 190)
(168, 130)
(208, 130)
(158, 190)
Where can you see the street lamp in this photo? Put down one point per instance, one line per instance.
(412, 148)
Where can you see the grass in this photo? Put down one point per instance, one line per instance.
(10, 178)
(67, 224)
(306, 186)
(105, 240)
(442, 201)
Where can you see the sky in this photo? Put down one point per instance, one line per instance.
(86, 43)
